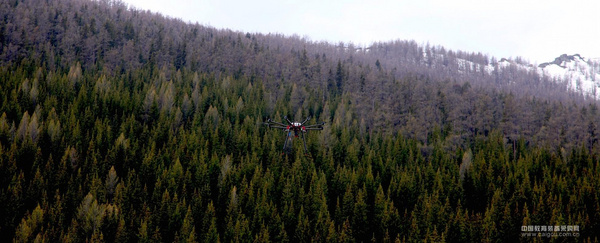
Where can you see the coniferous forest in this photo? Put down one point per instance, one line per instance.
(122, 125)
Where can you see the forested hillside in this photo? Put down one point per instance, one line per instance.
(122, 125)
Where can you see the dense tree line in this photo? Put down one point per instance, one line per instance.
(118, 158)
(387, 83)
(121, 125)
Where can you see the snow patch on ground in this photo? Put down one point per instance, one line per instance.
(580, 74)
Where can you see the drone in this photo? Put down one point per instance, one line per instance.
(296, 127)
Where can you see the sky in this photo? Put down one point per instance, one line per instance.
(538, 31)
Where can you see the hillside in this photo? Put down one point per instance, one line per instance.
(122, 125)
(580, 74)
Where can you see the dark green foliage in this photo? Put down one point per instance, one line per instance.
(164, 142)
(217, 174)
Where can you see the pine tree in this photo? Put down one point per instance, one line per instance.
(26, 231)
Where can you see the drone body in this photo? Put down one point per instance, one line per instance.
(295, 127)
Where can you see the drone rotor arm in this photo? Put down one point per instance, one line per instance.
(288, 120)
(313, 128)
(316, 125)
(278, 127)
(270, 123)
(307, 119)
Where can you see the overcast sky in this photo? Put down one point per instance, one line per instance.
(537, 30)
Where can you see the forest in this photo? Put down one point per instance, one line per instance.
(122, 125)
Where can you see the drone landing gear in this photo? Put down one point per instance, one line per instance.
(287, 145)
(305, 150)
(286, 141)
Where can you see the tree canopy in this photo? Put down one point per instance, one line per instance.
(122, 125)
